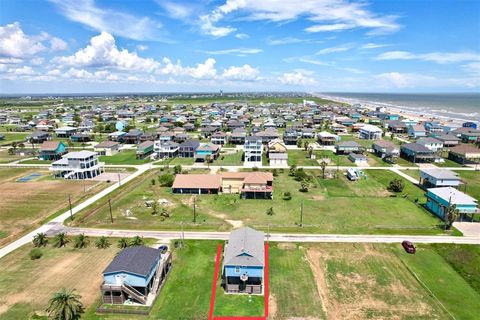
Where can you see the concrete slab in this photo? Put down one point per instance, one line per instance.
(469, 229)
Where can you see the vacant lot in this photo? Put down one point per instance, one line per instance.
(472, 178)
(27, 285)
(12, 137)
(5, 157)
(24, 205)
(124, 157)
(330, 206)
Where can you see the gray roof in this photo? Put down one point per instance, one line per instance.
(453, 196)
(138, 260)
(278, 155)
(350, 144)
(441, 174)
(416, 147)
(245, 248)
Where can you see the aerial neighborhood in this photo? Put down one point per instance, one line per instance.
(274, 205)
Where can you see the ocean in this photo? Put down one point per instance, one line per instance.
(455, 106)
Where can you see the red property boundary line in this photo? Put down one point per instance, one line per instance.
(214, 290)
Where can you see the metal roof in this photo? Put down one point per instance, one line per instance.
(137, 260)
(245, 248)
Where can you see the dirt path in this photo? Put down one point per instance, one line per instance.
(313, 258)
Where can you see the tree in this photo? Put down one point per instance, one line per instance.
(177, 169)
(208, 159)
(323, 165)
(293, 168)
(304, 186)
(136, 241)
(65, 305)
(154, 207)
(166, 180)
(35, 254)
(81, 241)
(310, 152)
(102, 243)
(275, 172)
(392, 136)
(153, 182)
(396, 185)
(287, 195)
(305, 145)
(270, 211)
(451, 215)
(123, 243)
(300, 175)
(60, 240)
(299, 143)
(40, 240)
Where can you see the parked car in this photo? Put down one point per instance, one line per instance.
(409, 247)
(163, 248)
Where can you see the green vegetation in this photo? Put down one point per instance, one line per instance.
(229, 159)
(448, 163)
(472, 178)
(299, 158)
(12, 137)
(124, 157)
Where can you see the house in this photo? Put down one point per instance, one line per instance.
(327, 139)
(167, 149)
(38, 137)
(117, 136)
(339, 128)
(135, 274)
(277, 153)
(385, 149)
(470, 136)
(370, 132)
(415, 153)
(238, 136)
(469, 124)
(80, 137)
(77, 165)
(358, 158)
(244, 261)
(144, 149)
(433, 126)
(219, 138)
(307, 133)
(132, 137)
(52, 150)
(464, 154)
(345, 147)
(65, 132)
(197, 184)
(290, 137)
(439, 199)
(434, 178)
(207, 150)
(431, 143)
(252, 150)
(448, 140)
(107, 148)
(187, 148)
(397, 126)
(416, 131)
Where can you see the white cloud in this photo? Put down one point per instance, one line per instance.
(177, 10)
(57, 44)
(141, 47)
(14, 43)
(297, 78)
(236, 51)
(333, 49)
(368, 46)
(242, 36)
(327, 15)
(243, 73)
(437, 57)
(115, 22)
(204, 70)
(288, 40)
(25, 70)
(103, 52)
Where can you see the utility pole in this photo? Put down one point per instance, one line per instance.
(183, 235)
(119, 181)
(301, 214)
(110, 206)
(70, 204)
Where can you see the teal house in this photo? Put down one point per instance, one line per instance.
(52, 150)
(439, 199)
(244, 262)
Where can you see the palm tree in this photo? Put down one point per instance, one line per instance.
(123, 243)
(305, 145)
(451, 215)
(102, 243)
(323, 165)
(65, 305)
(136, 241)
(40, 240)
(60, 240)
(208, 159)
(81, 241)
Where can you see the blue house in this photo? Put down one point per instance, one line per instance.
(417, 131)
(244, 261)
(439, 199)
(52, 150)
(135, 274)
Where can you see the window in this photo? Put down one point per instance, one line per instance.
(237, 269)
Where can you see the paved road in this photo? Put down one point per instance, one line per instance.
(59, 220)
(278, 237)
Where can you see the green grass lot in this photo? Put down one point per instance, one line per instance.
(331, 206)
(36, 161)
(376, 161)
(175, 161)
(12, 137)
(413, 173)
(473, 182)
(448, 163)
(229, 159)
(6, 158)
(299, 158)
(124, 157)
(334, 159)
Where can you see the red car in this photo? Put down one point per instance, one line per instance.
(408, 246)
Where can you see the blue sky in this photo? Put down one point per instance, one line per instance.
(65, 46)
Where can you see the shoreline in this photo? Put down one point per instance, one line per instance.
(402, 110)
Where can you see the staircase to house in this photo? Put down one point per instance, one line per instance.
(134, 293)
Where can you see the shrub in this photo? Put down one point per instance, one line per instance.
(396, 185)
(287, 196)
(275, 172)
(35, 254)
(304, 186)
(301, 175)
(153, 182)
(166, 180)
(270, 211)
(177, 169)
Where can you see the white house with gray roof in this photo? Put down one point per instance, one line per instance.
(434, 178)
(244, 261)
(77, 165)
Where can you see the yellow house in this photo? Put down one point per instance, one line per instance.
(277, 146)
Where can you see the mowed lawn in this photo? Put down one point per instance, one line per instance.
(331, 206)
(12, 137)
(124, 157)
(27, 285)
(24, 205)
(5, 157)
(472, 178)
